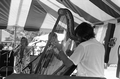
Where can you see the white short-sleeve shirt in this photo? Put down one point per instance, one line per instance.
(89, 58)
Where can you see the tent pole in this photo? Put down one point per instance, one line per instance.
(15, 28)
(17, 20)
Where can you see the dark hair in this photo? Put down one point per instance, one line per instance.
(85, 31)
(25, 39)
(54, 34)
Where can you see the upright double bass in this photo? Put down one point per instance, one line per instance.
(47, 60)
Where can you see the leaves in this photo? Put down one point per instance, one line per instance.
(20, 33)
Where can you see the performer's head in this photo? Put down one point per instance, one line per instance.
(84, 31)
(24, 41)
(54, 35)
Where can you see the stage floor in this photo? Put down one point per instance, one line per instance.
(110, 72)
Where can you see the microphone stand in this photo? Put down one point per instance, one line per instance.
(31, 62)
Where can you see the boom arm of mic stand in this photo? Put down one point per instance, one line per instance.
(31, 62)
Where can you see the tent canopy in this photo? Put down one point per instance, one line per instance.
(5, 35)
(36, 14)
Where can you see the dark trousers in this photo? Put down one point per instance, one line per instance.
(118, 67)
(118, 64)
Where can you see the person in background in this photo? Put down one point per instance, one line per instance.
(1, 47)
(51, 60)
(88, 56)
(118, 64)
(22, 53)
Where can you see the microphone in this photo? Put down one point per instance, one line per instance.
(17, 46)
